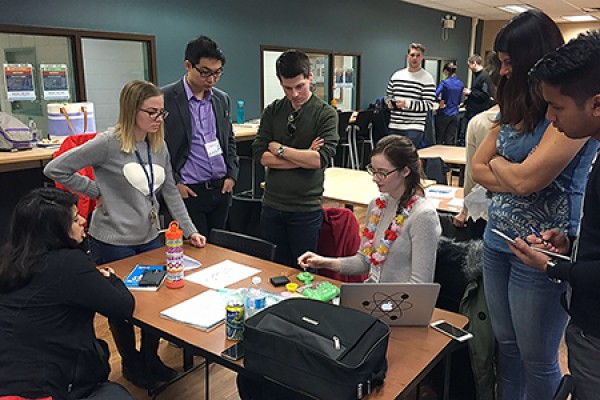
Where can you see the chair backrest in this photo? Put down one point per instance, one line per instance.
(343, 120)
(244, 215)
(435, 168)
(250, 245)
(339, 237)
(363, 123)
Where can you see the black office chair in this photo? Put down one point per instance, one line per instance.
(435, 168)
(565, 389)
(250, 245)
(362, 132)
(244, 215)
(347, 139)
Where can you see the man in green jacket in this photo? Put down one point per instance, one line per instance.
(296, 141)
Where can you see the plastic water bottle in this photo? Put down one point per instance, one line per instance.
(256, 299)
(33, 130)
(240, 112)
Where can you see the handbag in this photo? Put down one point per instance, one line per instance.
(13, 133)
(65, 119)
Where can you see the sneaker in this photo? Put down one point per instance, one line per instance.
(136, 374)
(160, 371)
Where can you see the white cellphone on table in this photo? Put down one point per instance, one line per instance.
(546, 252)
(450, 330)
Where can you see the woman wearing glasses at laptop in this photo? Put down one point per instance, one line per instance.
(399, 242)
(131, 165)
(50, 292)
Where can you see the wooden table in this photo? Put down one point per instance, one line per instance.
(450, 154)
(25, 159)
(412, 351)
(352, 187)
(245, 132)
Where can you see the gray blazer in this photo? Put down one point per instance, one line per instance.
(178, 128)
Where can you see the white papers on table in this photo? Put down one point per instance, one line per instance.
(204, 311)
(440, 192)
(222, 274)
(190, 263)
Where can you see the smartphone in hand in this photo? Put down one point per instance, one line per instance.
(546, 252)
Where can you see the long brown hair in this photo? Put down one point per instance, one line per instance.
(526, 38)
(401, 152)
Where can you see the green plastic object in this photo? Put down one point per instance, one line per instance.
(325, 291)
(305, 277)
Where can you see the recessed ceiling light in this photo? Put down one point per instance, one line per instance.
(515, 8)
(579, 18)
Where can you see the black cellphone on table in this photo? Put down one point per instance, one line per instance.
(234, 352)
(279, 280)
(152, 277)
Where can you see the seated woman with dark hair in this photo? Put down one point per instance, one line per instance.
(50, 292)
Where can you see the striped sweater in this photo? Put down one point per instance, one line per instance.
(418, 89)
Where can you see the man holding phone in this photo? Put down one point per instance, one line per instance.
(570, 82)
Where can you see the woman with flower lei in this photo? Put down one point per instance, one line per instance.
(399, 241)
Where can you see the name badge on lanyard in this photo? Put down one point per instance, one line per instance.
(213, 148)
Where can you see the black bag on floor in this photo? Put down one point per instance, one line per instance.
(317, 349)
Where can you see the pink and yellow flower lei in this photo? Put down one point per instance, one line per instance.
(376, 256)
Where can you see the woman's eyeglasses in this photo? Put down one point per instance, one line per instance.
(291, 124)
(155, 114)
(381, 175)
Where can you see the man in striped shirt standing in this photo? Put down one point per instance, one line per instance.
(410, 95)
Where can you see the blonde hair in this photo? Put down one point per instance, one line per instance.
(132, 97)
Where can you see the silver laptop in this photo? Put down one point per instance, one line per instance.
(397, 304)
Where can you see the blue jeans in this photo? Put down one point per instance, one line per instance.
(528, 321)
(292, 232)
(414, 135)
(103, 253)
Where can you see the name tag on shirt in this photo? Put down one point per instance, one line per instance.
(213, 148)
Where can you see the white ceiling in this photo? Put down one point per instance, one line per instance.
(486, 9)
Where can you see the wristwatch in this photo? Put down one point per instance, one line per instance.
(280, 151)
(550, 264)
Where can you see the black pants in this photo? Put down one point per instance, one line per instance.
(124, 336)
(210, 208)
(446, 129)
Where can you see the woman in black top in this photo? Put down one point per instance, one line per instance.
(50, 292)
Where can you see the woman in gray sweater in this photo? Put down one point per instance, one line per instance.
(131, 165)
(399, 242)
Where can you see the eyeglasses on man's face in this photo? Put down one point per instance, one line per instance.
(291, 124)
(207, 73)
(379, 174)
(155, 114)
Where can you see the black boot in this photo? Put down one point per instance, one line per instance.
(132, 363)
(153, 363)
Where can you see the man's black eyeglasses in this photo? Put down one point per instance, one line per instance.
(155, 114)
(291, 124)
(207, 73)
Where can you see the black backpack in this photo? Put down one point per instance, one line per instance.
(317, 350)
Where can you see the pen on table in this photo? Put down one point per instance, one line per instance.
(538, 234)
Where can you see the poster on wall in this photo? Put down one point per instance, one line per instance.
(55, 83)
(18, 79)
(339, 77)
(349, 78)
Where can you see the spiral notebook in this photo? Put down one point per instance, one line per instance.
(204, 311)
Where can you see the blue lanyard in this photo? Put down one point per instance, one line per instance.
(149, 178)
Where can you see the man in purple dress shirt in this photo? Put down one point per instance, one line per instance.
(200, 136)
